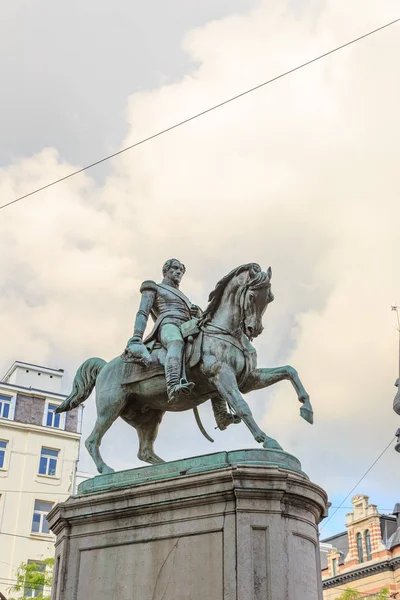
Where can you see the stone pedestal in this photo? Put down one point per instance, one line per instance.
(226, 526)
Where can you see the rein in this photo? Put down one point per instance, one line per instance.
(224, 332)
(232, 334)
(258, 279)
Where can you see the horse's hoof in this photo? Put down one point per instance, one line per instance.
(156, 460)
(307, 414)
(271, 444)
(107, 471)
(227, 419)
(150, 458)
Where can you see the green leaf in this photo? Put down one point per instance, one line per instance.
(34, 576)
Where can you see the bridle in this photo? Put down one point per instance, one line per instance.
(234, 335)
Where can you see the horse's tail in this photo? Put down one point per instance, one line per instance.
(84, 382)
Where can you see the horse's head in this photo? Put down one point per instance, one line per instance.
(255, 296)
(246, 293)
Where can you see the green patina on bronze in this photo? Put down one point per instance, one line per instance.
(190, 357)
(187, 466)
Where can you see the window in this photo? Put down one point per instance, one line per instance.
(359, 548)
(50, 417)
(48, 462)
(39, 521)
(33, 588)
(53, 419)
(367, 537)
(334, 566)
(3, 447)
(5, 406)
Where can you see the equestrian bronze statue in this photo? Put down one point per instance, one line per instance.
(170, 309)
(189, 358)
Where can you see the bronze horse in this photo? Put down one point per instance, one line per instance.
(225, 370)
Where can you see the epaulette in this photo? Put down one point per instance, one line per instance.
(148, 285)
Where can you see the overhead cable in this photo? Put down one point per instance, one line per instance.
(196, 116)
(358, 483)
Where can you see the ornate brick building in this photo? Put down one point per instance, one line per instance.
(367, 556)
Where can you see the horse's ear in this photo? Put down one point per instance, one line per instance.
(269, 272)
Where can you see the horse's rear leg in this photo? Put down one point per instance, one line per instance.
(108, 411)
(147, 430)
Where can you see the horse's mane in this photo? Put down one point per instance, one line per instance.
(258, 279)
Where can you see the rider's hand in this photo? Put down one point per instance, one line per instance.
(195, 311)
(136, 351)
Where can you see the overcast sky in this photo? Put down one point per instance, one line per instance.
(302, 175)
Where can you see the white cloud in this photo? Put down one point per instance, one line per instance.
(302, 175)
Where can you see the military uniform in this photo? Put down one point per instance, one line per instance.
(169, 308)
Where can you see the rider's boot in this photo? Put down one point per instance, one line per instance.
(176, 385)
(222, 417)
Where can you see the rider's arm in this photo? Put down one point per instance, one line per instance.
(148, 290)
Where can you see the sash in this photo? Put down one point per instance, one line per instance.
(177, 293)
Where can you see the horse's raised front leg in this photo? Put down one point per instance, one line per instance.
(262, 378)
(225, 383)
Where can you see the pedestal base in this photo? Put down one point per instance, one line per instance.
(231, 526)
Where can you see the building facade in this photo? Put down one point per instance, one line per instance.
(39, 450)
(367, 556)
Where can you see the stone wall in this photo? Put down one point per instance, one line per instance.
(245, 532)
(29, 409)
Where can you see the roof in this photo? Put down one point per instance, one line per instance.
(340, 541)
(19, 363)
(390, 536)
(46, 393)
(394, 540)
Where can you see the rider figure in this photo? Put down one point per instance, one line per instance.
(169, 308)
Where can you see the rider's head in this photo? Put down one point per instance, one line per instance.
(174, 270)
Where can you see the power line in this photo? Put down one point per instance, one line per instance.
(358, 483)
(6, 563)
(38, 493)
(8, 580)
(352, 507)
(28, 537)
(200, 114)
(34, 586)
